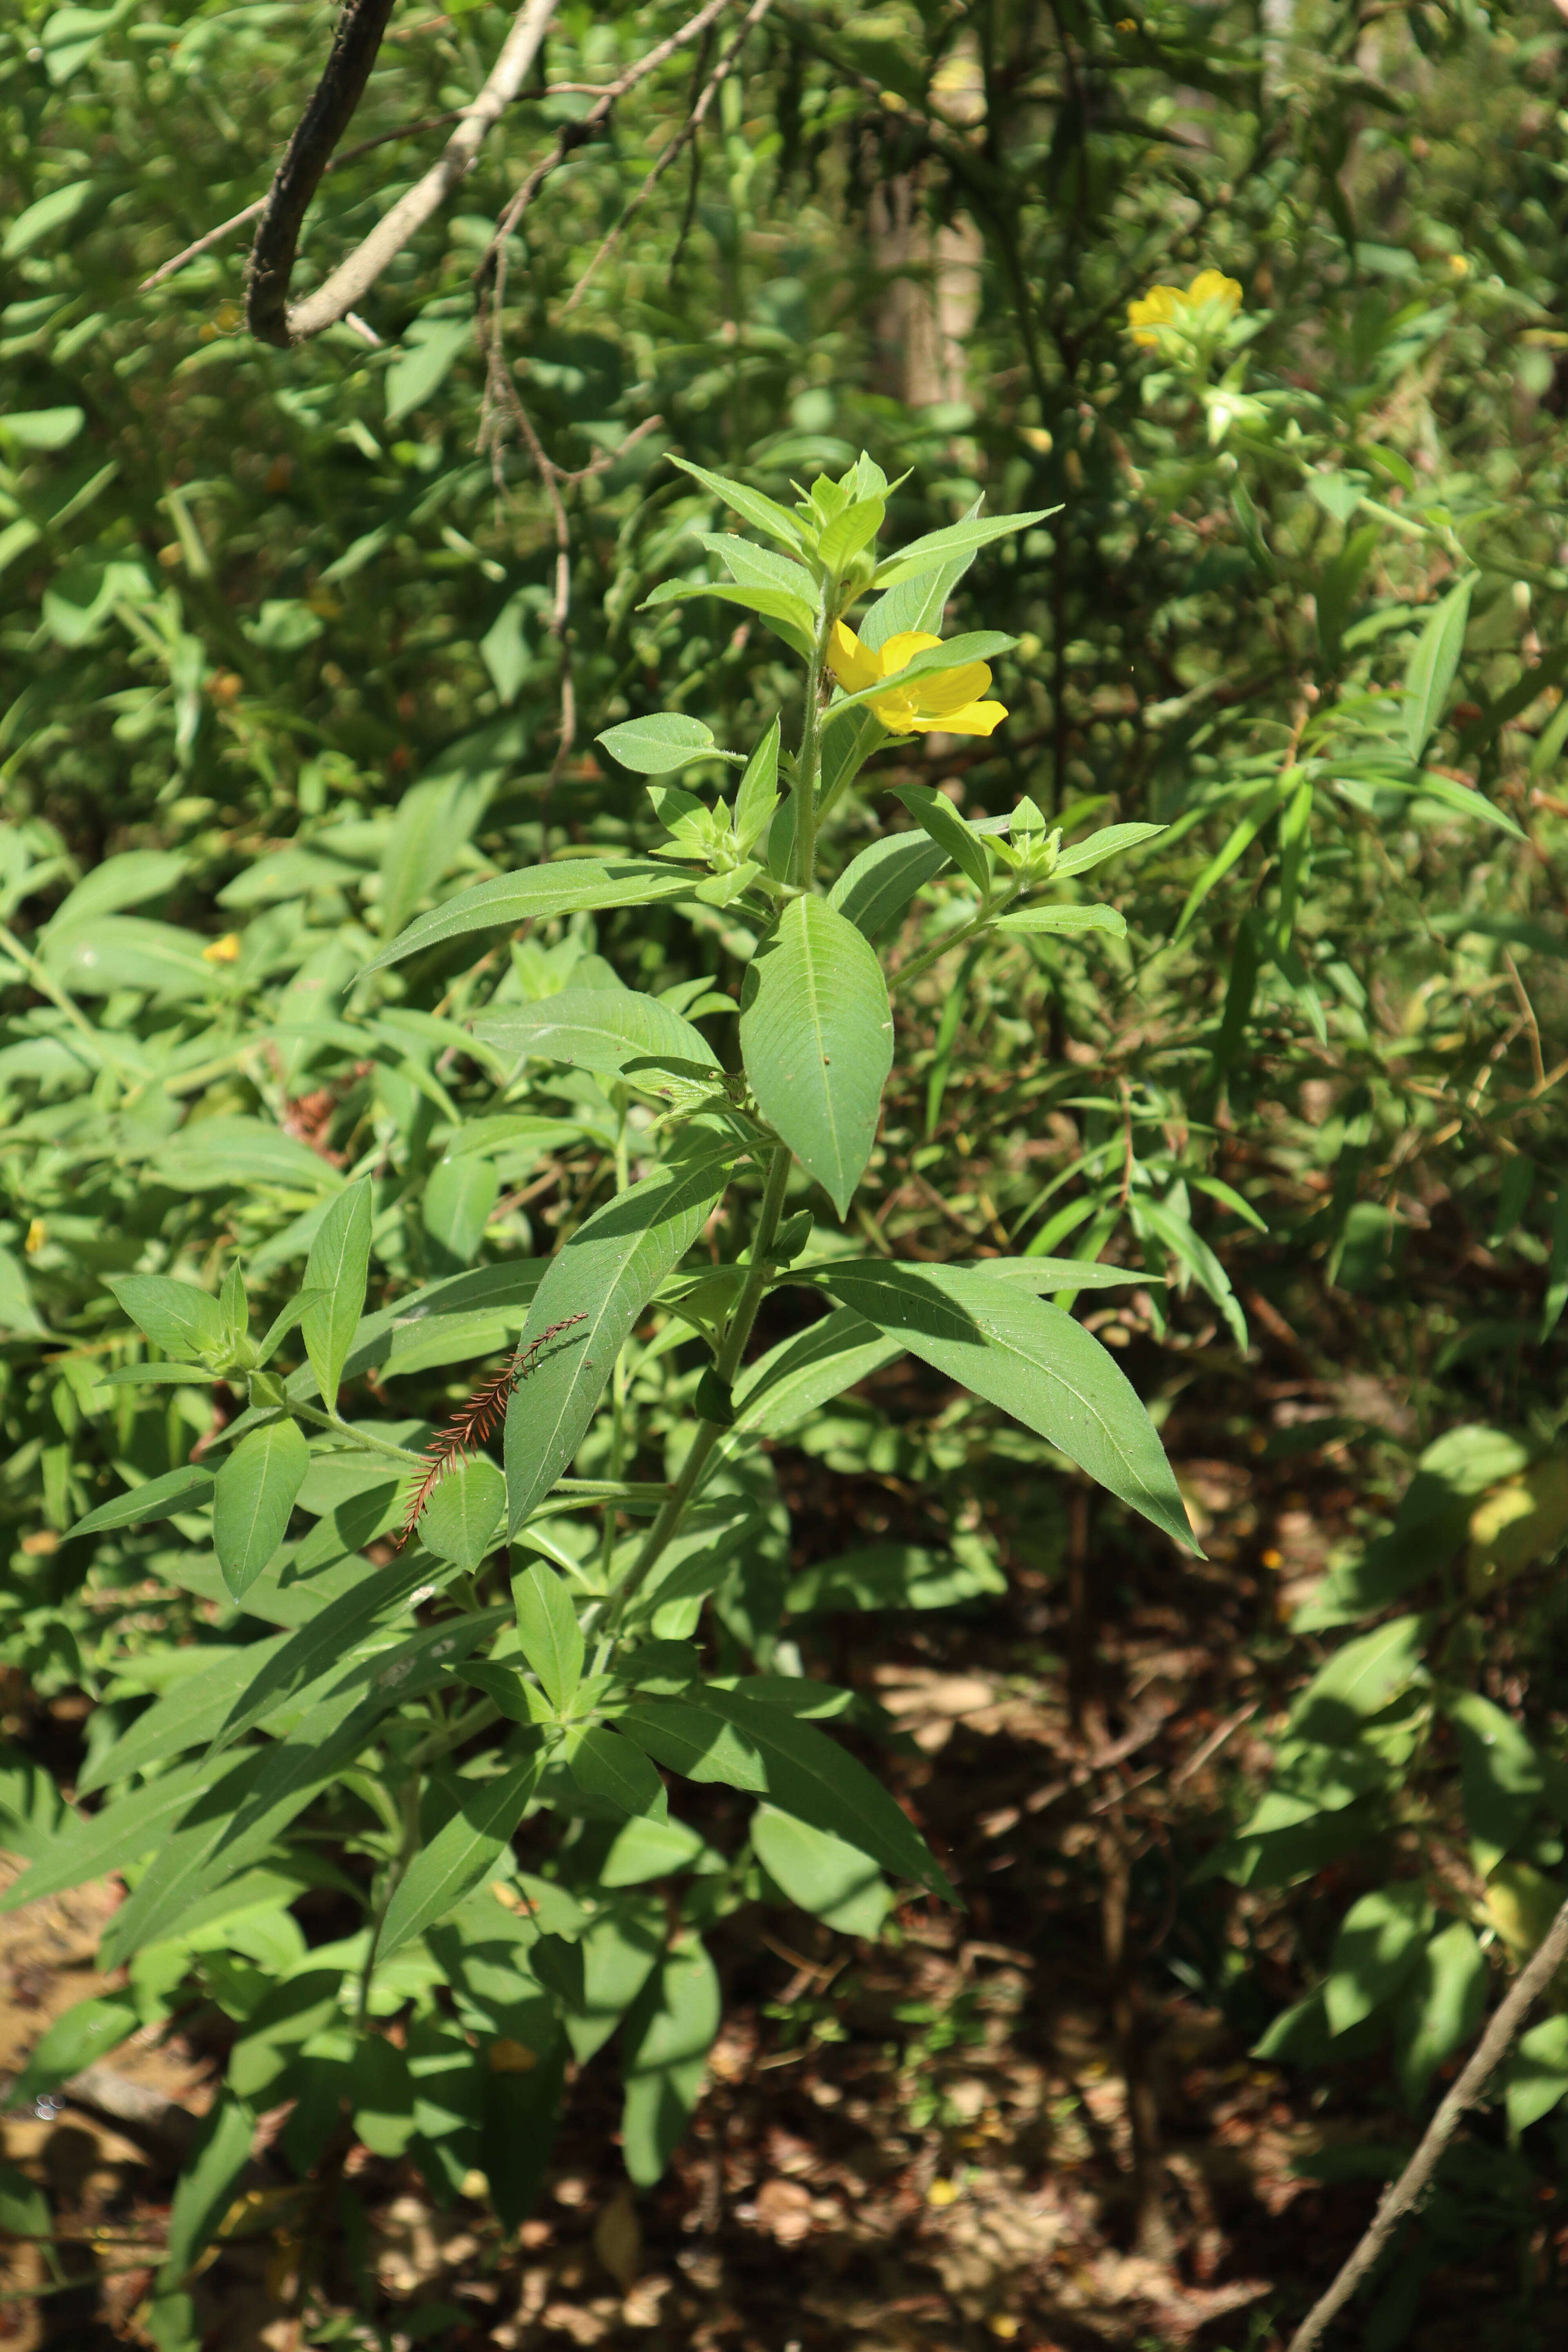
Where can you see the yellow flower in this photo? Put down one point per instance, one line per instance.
(948, 702)
(224, 951)
(1207, 307)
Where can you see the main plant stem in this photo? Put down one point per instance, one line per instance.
(733, 1348)
(808, 760)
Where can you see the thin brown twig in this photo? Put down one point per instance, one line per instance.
(677, 146)
(572, 135)
(1402, 2197)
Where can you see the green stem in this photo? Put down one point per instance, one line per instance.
(808, 760)
(728, 1364)
(357, 1437)
(409, 1799)
(965, 931)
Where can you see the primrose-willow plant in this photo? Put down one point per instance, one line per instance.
(474, 1736)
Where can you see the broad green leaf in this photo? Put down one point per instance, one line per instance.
(1065, 919)
(92, 1846)
(159, 1498)
(23, 2208)
(1034, 1362)
(109, 952)
(381, 2088)
(816, 1032)
(658, 744)
(603, 1764)
(764, 514)
(75, 2039)
(176, 1316)
(730, 1736)
(1537, 2074)
(1100, 846)
(821, 1873)
(607, 1968)
(669, 2036)
(459, 1195)
(208, 2181)
(548, 1629)
(128, 880)
(751, 566)
(892, 1576)
(430, 348)
(936, 817)
(601, 1029)
(442, 1873)
(938, 547)
(1359, 1680)
(456, 1320)
(877, 886)
(253, 1497)
(463, 1519)
(606, 1275)
(1378, 1944)
(646, 1848)
(1433, 664)
(1501, 1776)
(852, 529)
(572, 886)
(435, 820)
(782, 1387)
(338, 1265)
(1441, 2007)
(215, 1155)
(17, 1313)
(790, 617)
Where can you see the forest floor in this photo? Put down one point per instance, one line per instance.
(921, 2145)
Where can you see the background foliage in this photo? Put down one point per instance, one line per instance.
(285, 655)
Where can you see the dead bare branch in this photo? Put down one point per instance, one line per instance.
(278, 321)
(1405, 2193)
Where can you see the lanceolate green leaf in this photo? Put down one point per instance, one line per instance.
(1034, 1362)
(669, 2036)
(606, 1275)
(764, 514)
(1433, 664)
(731, 1737)
(547, 1627)
(92, 1846)
(286, 1667)
(458, 1855)
(1065, 919)
(599, 1028)
(938, 547)
(183, 1321)
(159, 1498)
(817, 1032)
(252, 1498)
(184, 1717)
(206, 2187)
(338, 1265)
(659, 743)
(571, 886)
(936, 817)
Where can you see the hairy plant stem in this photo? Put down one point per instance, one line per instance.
(738, 1331)
(808, 760)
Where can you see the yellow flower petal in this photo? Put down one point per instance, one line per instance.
(854, 664)
(951, 689)
(1214, 285)
(224, 951)
(900, 651)
(975, 719)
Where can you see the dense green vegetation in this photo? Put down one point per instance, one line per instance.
(306, 647)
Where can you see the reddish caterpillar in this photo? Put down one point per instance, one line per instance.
(473, 1422)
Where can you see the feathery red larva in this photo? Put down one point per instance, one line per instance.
(474, 1421)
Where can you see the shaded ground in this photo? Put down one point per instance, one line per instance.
(921, 2147)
